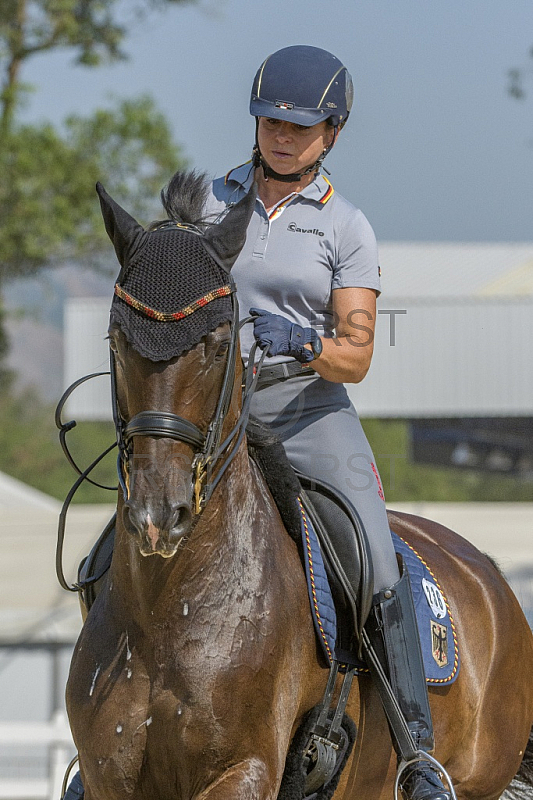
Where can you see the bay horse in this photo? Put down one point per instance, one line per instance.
(199, 659)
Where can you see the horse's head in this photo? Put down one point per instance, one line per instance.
(174, 345)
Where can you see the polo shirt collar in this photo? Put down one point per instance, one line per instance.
(320, 189)
(243, 175)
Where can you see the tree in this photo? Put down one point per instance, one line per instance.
(29, 27)
(48, 207)
(49, 213)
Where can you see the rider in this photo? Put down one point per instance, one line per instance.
(309, 270)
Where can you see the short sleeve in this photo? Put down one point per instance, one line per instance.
(356, 264)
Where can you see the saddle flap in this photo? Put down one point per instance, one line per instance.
(344, 541)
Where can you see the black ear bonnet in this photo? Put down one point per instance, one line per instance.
(174, 286)
(171, 273)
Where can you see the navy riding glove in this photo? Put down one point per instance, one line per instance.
(283, 337)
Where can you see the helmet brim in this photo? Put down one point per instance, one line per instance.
(297, 115)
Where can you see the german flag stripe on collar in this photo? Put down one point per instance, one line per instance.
(279, 208)
(310, 191)
(329, 192)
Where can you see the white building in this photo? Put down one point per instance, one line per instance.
(454, 336)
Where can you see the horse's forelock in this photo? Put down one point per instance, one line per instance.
(185, 197)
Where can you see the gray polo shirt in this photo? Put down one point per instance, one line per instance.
(310, 243)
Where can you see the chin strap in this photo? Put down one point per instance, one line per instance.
(294, 177)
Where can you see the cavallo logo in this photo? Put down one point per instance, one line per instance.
(293, 227)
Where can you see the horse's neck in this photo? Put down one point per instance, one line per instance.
(222, 549)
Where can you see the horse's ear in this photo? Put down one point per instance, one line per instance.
(227, 239)
(123, 230)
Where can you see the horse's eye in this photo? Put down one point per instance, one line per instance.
(222, 351)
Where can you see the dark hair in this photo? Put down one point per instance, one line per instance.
(184, 199)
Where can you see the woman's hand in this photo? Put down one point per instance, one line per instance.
(282, 337)
(346, 357)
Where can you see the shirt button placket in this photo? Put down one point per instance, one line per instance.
(262, 239)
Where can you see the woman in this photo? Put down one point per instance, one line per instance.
(309, 271)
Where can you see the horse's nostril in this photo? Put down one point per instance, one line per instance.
(180, 523)
(133, 517)
(157, 530)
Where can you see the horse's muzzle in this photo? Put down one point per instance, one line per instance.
(157, 531)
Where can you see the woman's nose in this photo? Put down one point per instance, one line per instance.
(283, 131)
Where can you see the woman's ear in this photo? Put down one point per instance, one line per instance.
(334, 135)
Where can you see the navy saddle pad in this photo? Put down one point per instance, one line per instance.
(435, 623)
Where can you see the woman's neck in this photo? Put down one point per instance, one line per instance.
(271, 192)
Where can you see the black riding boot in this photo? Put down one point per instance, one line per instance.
(75, 790)
(393, 633)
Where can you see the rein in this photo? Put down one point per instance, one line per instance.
(208, 447)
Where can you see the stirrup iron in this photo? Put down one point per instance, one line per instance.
(421, 756)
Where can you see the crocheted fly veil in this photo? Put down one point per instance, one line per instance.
(175, 285)
(172, 295)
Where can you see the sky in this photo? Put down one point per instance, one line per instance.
(435, 148)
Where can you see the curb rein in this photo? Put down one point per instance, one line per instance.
(208, 447)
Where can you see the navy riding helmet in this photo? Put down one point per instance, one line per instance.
(304, 85)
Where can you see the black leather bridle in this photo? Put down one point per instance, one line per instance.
(209, 450)
(208, 447)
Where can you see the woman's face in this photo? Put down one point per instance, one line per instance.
(289, 148)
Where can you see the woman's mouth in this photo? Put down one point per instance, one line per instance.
(281, 154)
